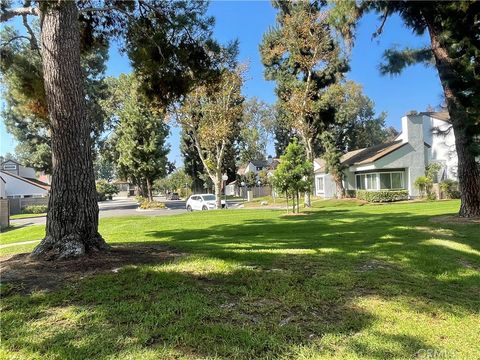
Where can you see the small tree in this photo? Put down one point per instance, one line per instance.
(292, 175)
(211, 115)
(424, 185)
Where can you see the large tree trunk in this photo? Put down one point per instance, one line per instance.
(72, 221)
(339, 186)
(468, 168)
(149, 190)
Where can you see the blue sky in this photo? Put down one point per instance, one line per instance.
(415, 89)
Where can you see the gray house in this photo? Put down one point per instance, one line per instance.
(397, 164)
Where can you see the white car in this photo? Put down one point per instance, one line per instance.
(203, 202)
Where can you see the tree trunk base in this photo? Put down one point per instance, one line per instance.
(69, 247)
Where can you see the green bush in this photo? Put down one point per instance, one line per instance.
(350, 194)
(424, 184)
(35, 209)
(146, 204)
(382, 195)
(105, 190)
(450, 189)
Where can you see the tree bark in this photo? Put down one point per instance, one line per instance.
(310, 158)
(468, 168)
(72, 221)
(340, 188)
(218, 189)
(149, 190)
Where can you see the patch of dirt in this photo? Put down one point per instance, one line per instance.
(455, 220)
(25, 274)
(374, 265)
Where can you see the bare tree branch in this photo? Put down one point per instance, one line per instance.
(8, 14)
(33, 39)
(380, 28)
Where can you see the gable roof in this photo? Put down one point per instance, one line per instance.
(259, 163)
(439, 115)
(30, 181)
(365, 155)
(371, 154)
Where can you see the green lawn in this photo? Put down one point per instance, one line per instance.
(343, 281)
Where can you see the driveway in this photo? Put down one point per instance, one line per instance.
(122, 207)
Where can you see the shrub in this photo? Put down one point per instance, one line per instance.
(350, 194)
(105, 190)
(382, 195)
(35, 209)
(145, 204)
(450, 189)
(424, 185)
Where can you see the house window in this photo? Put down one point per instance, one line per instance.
(320, 184)
(380, 181)
(9, 167)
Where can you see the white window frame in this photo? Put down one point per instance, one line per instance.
(377, 176)
(9, 167)
(322, 190)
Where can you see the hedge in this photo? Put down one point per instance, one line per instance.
(382, 195)
(35, 209)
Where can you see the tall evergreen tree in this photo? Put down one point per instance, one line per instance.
(301, 55)
(169, 45)
(454, 50)
(138, 143)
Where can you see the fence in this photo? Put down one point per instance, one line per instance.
(17, 204)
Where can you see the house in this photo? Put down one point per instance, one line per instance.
(256, 166)
(2, 189)
(395, 165)
(21, 182)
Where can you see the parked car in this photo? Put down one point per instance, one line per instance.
(172, 196)
(203, 202)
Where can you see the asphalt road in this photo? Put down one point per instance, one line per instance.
(121, 207)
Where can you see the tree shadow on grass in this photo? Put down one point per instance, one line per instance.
(265, 288)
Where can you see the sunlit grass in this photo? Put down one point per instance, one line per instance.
(345, 281)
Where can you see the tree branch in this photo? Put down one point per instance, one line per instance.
(13, 39)
(8, 14)
(33, 39)
(380, 28)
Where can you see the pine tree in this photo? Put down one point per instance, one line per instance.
(170, 47)
(454, 50)
(301, 55)
(139, 138)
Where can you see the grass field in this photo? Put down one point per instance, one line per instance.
(342, 281)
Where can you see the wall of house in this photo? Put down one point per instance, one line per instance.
(17, 187)
(330, 189)
(26, 172)
(411, 156)
(2, 190)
